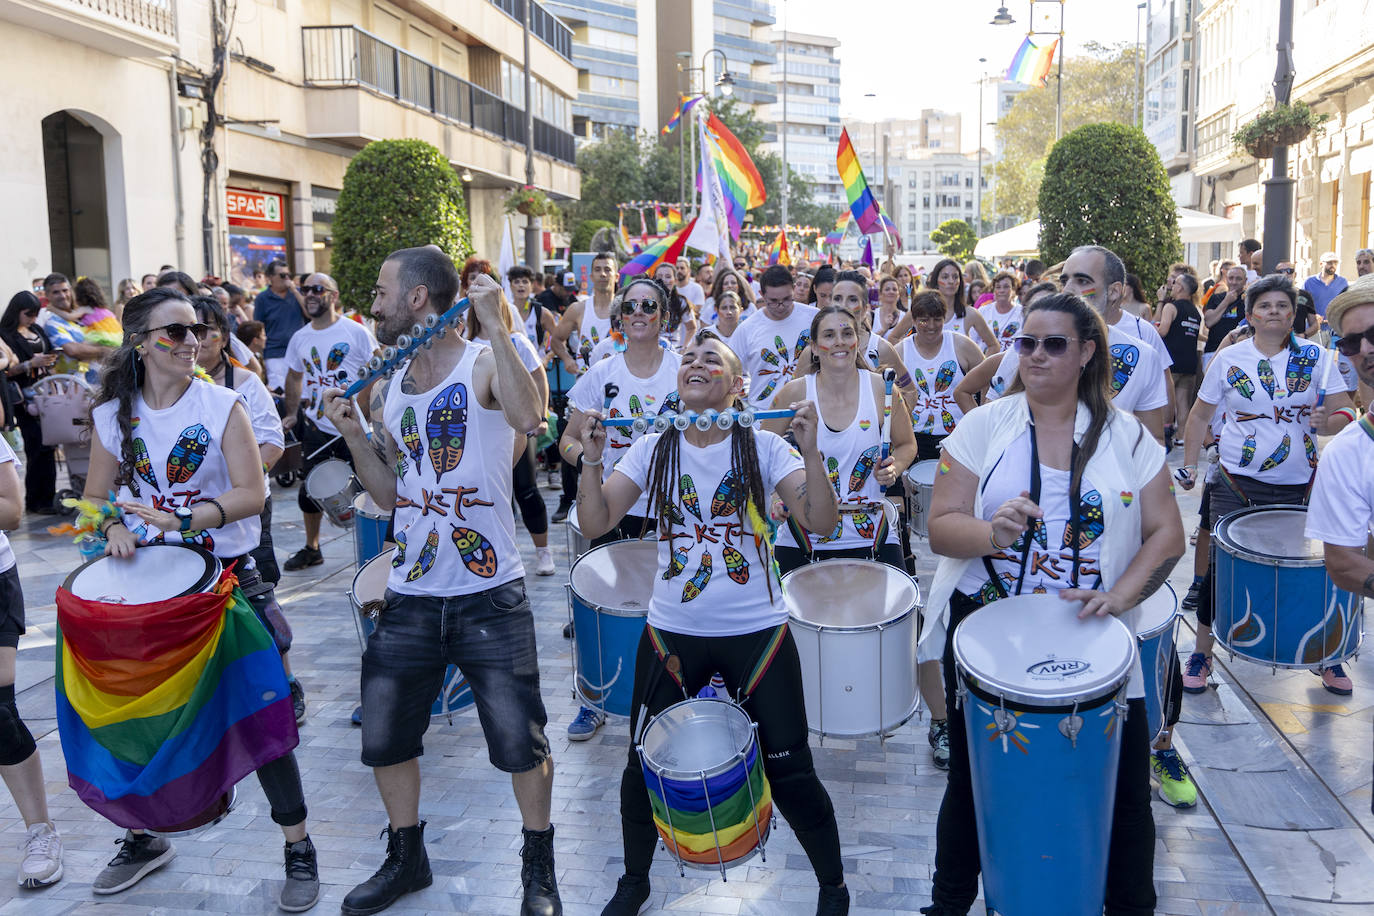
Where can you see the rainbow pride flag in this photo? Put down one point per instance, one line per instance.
(862, 204)
(667, 249)
(841, 227)
(1031, 65)
(674, 216)
(687, 104)
(624, 236)
(739, 178)
(163, 707)
(701, 822)
(778, 252)
(890, 229)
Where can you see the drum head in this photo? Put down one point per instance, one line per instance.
(1270, 533)
(154, 573)
(366, 506)
(923, 472)
(369, 584)
(697, 736)
(1033, 649)
(855, 594)
(1156, 612)
(327, 478)
(618, 577)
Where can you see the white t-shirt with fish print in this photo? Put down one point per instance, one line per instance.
(455, 531)
(1268, 400)
(1004, 327)
(715, 576)
(179, 461)
(332, 358)
(770, 349)
(935, 412)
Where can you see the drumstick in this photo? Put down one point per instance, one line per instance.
(683, 420)
(888, 375)
(392, 357)
(1321, 392)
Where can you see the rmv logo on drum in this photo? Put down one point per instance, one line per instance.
(1058, 668)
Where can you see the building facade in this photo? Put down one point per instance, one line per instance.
(107, 156)
(1170, 92)
(808, 74)
(1334, 61)
(930, 187)
(743, 31)
(614, 46)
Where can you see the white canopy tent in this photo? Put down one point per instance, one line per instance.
(1194, 226)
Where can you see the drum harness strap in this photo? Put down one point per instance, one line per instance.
(1006, 721)
(1235, 487)
(880, 527)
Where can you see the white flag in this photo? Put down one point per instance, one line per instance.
(507, 259)
(712, 231)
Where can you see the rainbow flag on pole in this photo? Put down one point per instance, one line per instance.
(777, 252)
(688, 103)
(862, 204)
(1031, 65)
(739, 178)
(666, 249)
(163, 707)
(841, 227)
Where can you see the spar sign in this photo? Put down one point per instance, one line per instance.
(255, 209)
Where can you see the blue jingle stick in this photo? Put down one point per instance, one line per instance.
(723, 419)
(393, 357)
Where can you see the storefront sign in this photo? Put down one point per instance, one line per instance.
(255, 209)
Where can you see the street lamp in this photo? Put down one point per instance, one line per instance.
(1004, 18)
(725, 83)
(978, 188)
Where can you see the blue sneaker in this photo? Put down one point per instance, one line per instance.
(585, 725)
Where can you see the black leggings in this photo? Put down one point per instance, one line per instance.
(281, 783)
(40, 464)
(532, 509)
(1131, 854)
(776, 705)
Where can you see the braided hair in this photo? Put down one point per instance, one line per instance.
(121, 377)
(665, 468)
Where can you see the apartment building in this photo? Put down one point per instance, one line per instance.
(811, 85)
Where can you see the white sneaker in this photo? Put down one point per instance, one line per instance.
(543, 561)
(42, 864)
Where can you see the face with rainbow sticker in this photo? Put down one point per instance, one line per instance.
(710, 375)
(1085, 275)
(162, 352)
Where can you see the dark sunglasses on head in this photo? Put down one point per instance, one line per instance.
(647, 306)
(1349, 345)
(317, 289)
(1054, 345)
(177, 332)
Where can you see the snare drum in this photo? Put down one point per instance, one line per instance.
(1275, 603)
(1043, 695)
(578, 543)
(333, 487)
(370, 524)
(855, 624)
(367, 597)
(704, 772)
(155, 572)
(920, 487)
(1157, 636)
(608, 596)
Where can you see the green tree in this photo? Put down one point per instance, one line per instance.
(1097, 88)
(612, 173)
(1088, 197)
(396, 194)
(955, 238)
(582, 235)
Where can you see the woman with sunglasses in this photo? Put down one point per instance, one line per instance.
(34, 358)
(149, 401)
(708, 490)
(1268, 386)
(1018, 478)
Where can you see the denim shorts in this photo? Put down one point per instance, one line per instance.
(490, 637)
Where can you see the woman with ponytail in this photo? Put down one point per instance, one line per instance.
(717, 602)
(153, 406)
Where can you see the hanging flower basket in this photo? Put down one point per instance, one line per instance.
(1282, 125)
(529, 201)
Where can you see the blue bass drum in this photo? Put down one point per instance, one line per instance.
(1043, 696)
(609, 589)
(1157, 635)
(1274, 602)
(370, 527)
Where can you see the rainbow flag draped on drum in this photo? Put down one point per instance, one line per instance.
(163, 706)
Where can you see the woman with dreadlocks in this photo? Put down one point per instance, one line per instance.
(717, 603)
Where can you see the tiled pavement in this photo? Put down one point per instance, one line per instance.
(886, 795)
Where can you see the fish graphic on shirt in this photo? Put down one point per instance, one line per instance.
(920, 378)
(1265, 373)
(1237, 379)
(729, 496)
(697, 584)
(1247, 451)
(446, 428)
(687, 493)
(1125, 357)
(736, 566)
(315, 358)
(410, 435)
(676, 563)
(945, 375)
(1300, 367)
(1310, 449)
(1280, 454)
(399, 559)
(475, 551)
(1090, 521)
(142, 466)
(187, 454)
(426, 558)
(863, 468)
(335, 357)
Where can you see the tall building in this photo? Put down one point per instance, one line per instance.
(1171, 91)
(106, 106)
(689, 33)
(743, 30)
(812, 88)
(934, 130)
(614, 47)
(930, 186)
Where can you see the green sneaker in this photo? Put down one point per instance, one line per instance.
(1175, 785)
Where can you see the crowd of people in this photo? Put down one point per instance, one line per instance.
(1037, 388)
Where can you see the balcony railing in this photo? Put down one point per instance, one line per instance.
(544, 25)
(153, 15)
(344, 56)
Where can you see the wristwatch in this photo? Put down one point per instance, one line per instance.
(183, 513)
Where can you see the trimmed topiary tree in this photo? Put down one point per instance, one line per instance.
(396, 194)
(955, 238)
(585, 231)
(1105, 185)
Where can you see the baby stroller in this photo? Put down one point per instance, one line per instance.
(63, 404)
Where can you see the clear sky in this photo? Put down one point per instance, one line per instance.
(924, 53)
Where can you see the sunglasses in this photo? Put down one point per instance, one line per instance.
(1349, 345)
(317, 289)
(647, 306)
(177, 332)
(1054, 345)
(1287, 270)
(283, 276)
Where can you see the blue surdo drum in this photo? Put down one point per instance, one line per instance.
(1157, 635)
(1043, 698)
(609, 589)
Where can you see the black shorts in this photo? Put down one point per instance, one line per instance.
(11, 608)
(312, 440)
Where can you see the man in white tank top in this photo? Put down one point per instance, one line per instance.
(589, 321)
(456, 596)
